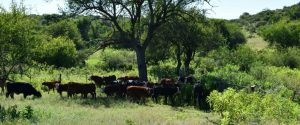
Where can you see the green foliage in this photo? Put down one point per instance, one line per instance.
(163, 70)
(84, 25)
(12, 113)
(66, 28)
(243, 56)
(231, 32)
(17, 39)
(233, 75)
(266, 17)
(60, 52)
(283, 33)
(111, 60)
(238, 107)
(27, 112)
(288, 57)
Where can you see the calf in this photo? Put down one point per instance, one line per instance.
(50, 85)
(21, 87)
(138, 92)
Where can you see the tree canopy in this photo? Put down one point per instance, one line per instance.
(143, 16)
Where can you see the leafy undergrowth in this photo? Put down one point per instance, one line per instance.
(52, 109)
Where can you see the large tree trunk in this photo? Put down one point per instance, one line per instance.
(188, 59)
(178, 58)
(141, 61)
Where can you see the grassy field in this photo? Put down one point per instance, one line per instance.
(255, 41)
(54, 110)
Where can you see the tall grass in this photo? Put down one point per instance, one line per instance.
(52, 109)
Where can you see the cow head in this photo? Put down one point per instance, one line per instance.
(38, 94)
(57, 85)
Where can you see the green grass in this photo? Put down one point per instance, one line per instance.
(52, 109)
(255, 41)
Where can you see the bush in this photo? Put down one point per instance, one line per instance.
(238, 107)
(12, 113)
(163, 70)
(242, 56)
(112, 60)
(288, 57)
(283, 33)
(68, 29)
(60, 52)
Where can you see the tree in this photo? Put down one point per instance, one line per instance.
(66, 28)
(17, 39)
(53, 51)
(84, 25)
(143, 16)
(282, 34)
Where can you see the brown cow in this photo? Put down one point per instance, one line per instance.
(138, 92)
(166, 82)
(50, 85)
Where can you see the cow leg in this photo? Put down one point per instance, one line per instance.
(154, 98)
(7, 94)
(166, 99)
(12, 95)
(94, 95)
(172, 100)
(2, 88)
(69, 94)
(25, 95)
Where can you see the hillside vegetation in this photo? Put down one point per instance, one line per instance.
(244, 71)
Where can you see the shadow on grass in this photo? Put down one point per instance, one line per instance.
(107, 102)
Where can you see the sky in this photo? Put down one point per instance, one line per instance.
(225, 9)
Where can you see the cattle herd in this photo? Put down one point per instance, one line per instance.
(124, 87)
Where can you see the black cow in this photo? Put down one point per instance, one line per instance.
(200, 96)
(189, 79)
(105, 80)
(99, 81)
(21, 87)
(167, 92)
(126, 78)
(61, 88)
(115, 89)
(83, 89)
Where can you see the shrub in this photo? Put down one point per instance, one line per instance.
(60, 52)
(68, 29)
(163, 70)
(111, 60)
(12, 113)
(238, 107)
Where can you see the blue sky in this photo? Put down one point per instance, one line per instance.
(226, 9)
